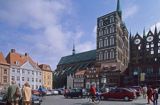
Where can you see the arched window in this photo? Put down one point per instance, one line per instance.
(106, 42)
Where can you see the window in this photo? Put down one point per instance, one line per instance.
(105, 42)
(100, 56)
(13, 70)
(147, 46)
(36, 79)
(28, 79)
(5, 71)
(152, 45)
(139, 47)
(39, 80)
(23, 71)
(158, 43)
(13, 78)
(22, 78)
(28, 72)
(32, 72)
(149, 70)
(159, 50)
(112, 54)
(39, 73)
(18, 78)
(4, 79)
(32, 79)
(18, 70)
(152, 52)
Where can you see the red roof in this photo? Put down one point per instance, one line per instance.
(2, 59)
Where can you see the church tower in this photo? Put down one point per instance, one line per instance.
(112, 46)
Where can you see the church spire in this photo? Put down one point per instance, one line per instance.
(119, 8)
(155, 32)
(73, 51)
(144, 33)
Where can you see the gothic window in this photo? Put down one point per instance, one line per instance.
(139, 47)
(100, 56)
(112, 54)
(111, 19)
(159, 50)
(112, 40)
(152, 45)
(147, 46)
(152, 51)
(106, 55)
(100, 23)
(105, 42)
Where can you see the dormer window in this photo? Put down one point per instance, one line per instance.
(147, 46)
(16, 62)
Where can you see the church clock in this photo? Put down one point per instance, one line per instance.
(137, 41)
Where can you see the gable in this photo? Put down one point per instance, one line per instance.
(27, 65)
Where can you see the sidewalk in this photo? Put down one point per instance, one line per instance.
(141, 101)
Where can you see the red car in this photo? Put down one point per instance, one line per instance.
(118, 94)
(35, 92)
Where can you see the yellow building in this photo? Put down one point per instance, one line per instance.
(46, 76)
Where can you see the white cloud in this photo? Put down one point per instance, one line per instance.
(48, 41)
(130, 11)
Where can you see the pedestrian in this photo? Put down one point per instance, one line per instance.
(27, 94)
(144, 91)
(155, 97)
(40, 91)
(92, 92)
(149, 94)
(13, 94)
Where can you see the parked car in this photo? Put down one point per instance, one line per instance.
(119, 93)
(54, 92)
(2, 99)
(138, 90)
(75, 92)
(35, 92)
(36, 100)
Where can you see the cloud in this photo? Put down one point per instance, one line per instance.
(130, 11)
(36, 27)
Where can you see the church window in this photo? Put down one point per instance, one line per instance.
(105, 42)
(152, 51)
(152, 45)
(139, 47)
(147, 46)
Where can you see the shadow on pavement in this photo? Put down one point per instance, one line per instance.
(140, 104)
(87, 103)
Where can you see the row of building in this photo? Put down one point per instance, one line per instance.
(119, 58)
(21, 68)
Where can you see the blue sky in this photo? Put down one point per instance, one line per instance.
(46, 29)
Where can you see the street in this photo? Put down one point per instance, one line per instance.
(60, 100)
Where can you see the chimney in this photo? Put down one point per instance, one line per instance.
(26, 54)
(13, 50)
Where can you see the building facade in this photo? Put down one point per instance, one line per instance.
(79, 79)
(144, 66)
(23, 68)
(46, 76)
(4, 72)
(112, 46)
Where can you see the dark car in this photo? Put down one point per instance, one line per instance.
(119, 94)
(75, 92)
(36, 100)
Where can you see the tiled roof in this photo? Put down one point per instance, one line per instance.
(80, 57)
(45, 67)
(82, 72)
(17, 59)
(2, 59)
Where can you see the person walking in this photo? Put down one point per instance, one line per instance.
(149, 94)
(13, 94)
(144, 92)
(92, 92)
(155, 97)
(27, 94)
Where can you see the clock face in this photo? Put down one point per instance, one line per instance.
(149, 38)
(137, 41)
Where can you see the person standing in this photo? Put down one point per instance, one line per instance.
(144, 91)
(155, 97)
(149, 94)
(13, 94)
(93, 92)
(27, 94)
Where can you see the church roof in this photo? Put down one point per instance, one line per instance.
(80, 57)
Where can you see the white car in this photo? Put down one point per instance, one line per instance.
(54, 92)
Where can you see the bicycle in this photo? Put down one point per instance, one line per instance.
(95, 99)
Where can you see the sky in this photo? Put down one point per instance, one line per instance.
(47, 29)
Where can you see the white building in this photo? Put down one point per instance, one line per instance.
(23, 68)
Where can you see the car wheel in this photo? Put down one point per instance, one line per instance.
(126, 98)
